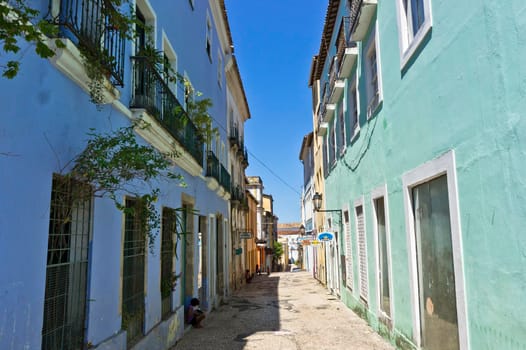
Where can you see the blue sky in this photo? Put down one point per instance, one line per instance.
(274, 42)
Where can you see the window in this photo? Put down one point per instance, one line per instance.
(168, 245)
(332, 144)
(219, 68)
(170, 63)
(341, 129)
(133, 278)
(352, 109)
(362, 251)
(145, 93)
(67, 265)
(209, 37)
(348, 251)
(140, 31)
(373, 83)
(414, 22)
(435, 254)
(381, 230)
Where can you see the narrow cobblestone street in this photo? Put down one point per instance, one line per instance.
(287, 310)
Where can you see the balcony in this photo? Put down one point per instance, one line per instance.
(238, 194)
(233, 136)
(347, 50)
(361, 15)
(212, 166)
(327, 108)
(90, 25)
(239, 198)
(151, 92)
(323, 128)
(224, 179)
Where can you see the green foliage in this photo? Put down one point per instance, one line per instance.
(197, 110)
(278, 250)
(114, 162)
(17, 22)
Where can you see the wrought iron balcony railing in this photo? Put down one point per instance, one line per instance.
(90, 24)
(212, 166)
(224, 179)
(324, 101)
(238, 193)
(354, 13)
(151, 92)
(233, 137)
(245, 161)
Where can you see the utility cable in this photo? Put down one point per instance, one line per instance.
(276, 175)
(260, 161)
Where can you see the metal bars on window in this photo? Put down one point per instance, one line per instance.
(133, 270)
(362, 254)
(67, 265)
(348, 251)
(169, 232)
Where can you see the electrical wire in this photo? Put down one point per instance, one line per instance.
(261, 162)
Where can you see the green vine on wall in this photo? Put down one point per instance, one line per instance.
(115, 164)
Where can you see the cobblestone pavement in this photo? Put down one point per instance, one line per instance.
(283, 311)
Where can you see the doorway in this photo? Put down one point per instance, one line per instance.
(436, 275)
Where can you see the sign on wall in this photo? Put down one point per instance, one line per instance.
(245, 235)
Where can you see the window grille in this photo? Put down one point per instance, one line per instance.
(362, 256)
(348, 251)
(67, 265)
(169, 230)
(341, 128)
(133, 270)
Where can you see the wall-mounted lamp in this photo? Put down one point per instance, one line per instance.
(302, 230)
(316, 201)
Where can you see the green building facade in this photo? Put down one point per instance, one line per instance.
(418, 113)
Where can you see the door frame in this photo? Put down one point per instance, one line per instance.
(443, 165)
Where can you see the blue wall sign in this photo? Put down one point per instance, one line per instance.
(325, 236)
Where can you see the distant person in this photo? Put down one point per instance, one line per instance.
(258, 271)
(194, 315)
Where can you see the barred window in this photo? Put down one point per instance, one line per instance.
(168, 244)
(134, 251)
(67, 265)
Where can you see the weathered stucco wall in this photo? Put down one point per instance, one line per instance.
(464, 91)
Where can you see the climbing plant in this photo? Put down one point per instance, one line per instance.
(18, 21)
(115, 163)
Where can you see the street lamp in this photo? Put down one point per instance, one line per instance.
(317, 199)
